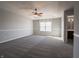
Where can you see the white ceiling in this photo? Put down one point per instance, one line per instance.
(50, 9)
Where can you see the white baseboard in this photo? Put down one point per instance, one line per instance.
(12, 39)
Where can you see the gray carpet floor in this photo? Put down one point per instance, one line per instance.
(36, 47)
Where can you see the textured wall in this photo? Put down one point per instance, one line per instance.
(56, 27)
(13, 25)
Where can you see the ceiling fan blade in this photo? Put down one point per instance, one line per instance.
(40, 13)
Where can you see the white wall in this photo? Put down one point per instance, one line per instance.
(56, 27)
(76, 32)
(13, 25)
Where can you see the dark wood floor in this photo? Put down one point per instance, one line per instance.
(36, 47)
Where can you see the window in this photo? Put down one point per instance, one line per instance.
(45, 26)
(42, 26)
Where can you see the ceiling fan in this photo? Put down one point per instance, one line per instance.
(36, 12)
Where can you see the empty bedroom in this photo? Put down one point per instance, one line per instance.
(39, 29)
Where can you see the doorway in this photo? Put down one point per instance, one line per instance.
(69, 25)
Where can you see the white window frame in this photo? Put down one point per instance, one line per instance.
(45, 26)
